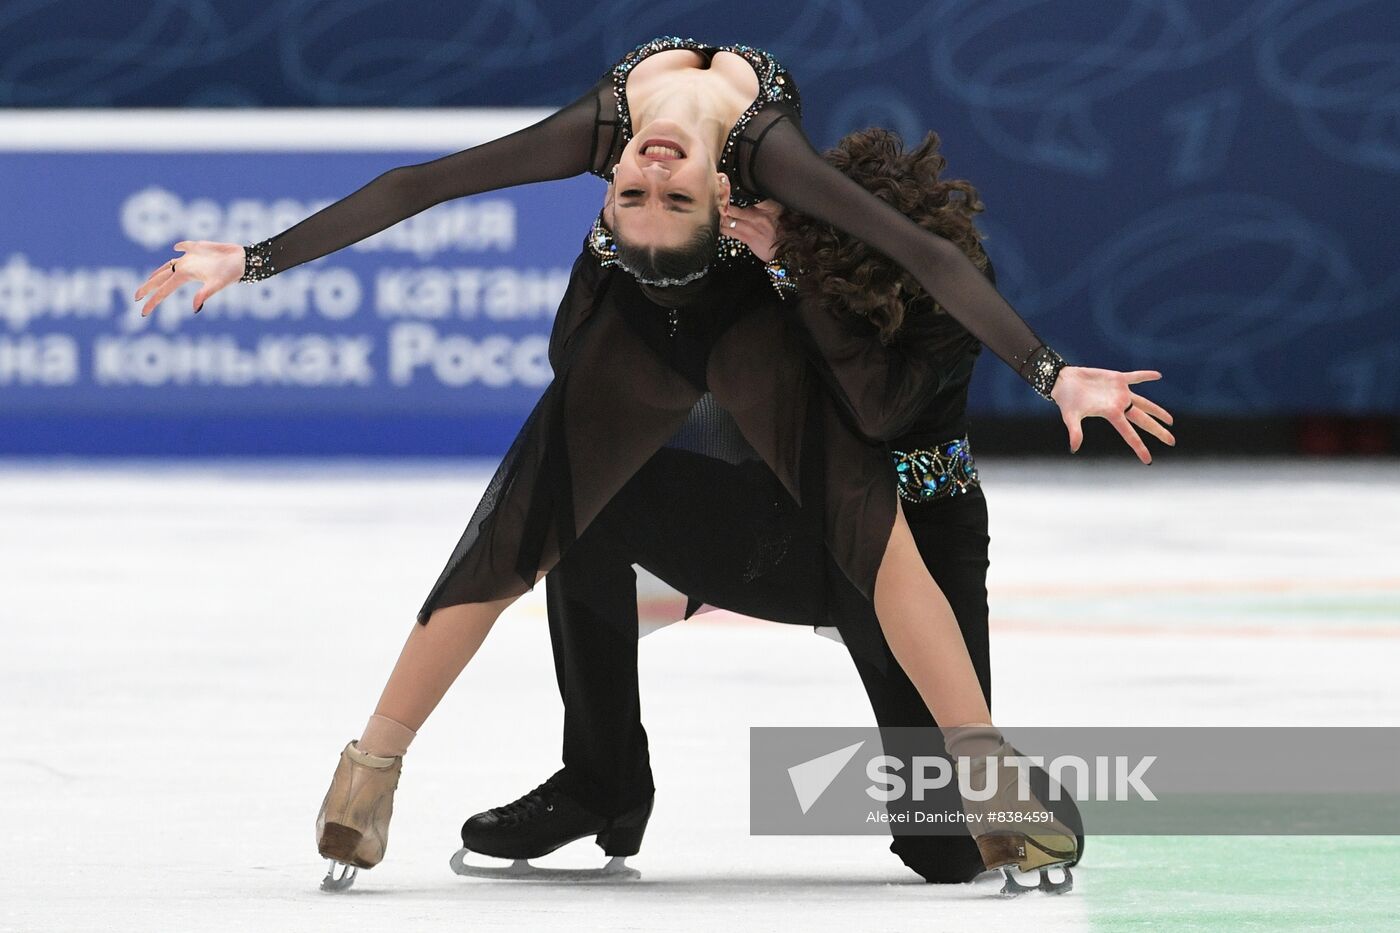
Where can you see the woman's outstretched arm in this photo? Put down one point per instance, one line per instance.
(783, 166)
(564, 144)
(792, 173)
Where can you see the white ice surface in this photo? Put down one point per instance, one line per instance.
(184, 650)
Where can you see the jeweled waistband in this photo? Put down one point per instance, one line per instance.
(938, 471)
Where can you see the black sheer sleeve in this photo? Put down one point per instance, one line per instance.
(778, 162)
(576, 139)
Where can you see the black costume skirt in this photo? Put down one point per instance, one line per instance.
(725, 376)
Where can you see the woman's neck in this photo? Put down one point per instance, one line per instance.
(693, 102)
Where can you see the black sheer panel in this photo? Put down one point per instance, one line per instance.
(711, 431)
(761, 375)
(611, 406)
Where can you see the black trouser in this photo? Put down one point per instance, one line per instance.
(592, 600)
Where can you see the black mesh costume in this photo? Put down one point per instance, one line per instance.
(625, 381)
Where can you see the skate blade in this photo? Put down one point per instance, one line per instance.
(521, 870)
(334, 882)
(1014, 887)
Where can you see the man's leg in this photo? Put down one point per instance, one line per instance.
(656, 521)
(604, 789)
(592, 600)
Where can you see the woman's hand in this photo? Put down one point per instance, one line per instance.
(756, 227)
(1082, 393)
(214, 264)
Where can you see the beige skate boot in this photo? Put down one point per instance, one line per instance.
(1009, 831)
(352, 828)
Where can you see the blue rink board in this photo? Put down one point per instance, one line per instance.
(429, 337)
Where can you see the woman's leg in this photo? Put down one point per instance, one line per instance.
(352, 828)
(923, 633)
(429, 663)
(432, 657)
(933, 655)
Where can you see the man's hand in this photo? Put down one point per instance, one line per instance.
(756, 227)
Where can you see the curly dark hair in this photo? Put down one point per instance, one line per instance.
(847, 276)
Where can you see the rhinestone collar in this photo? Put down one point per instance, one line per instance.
(602, 245)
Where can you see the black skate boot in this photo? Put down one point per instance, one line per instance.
(541, 821)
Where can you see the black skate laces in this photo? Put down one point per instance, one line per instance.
(527, 805)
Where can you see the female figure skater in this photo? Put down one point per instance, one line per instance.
(686, 129)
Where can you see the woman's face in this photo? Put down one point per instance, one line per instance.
(665, 187)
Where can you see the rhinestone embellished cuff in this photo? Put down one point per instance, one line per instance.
(1042, 369)
(938, 472)
(781, 278)
(257, 261)
(601, 244)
